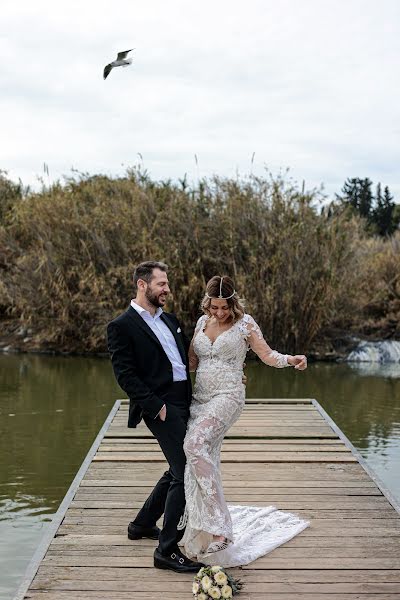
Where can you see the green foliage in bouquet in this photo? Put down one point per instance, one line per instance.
(212, 583)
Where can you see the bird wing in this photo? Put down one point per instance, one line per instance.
(124, 54)
(107, 71)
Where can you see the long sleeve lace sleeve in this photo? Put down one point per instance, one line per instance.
(257, 343)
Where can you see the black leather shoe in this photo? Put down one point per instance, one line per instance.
(136, 532)
(176, 561)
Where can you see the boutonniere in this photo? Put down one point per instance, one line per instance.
(178, 330)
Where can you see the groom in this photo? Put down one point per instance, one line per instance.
(150, 361)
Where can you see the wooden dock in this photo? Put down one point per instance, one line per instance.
(283, 452)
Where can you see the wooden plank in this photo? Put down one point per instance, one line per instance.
(234, 457)
(168, 595)
(231, 447)
(252, 470)
(277, 471)
(250, 491)
(267, 562)
(248, 485)
(313, 532)
(305, 443)
(326, 530)
(156, 586)
(283, 553)
(277, 430)
(260, 401)
(369, 522)
(289, 505)
(267, 576)
(297, 500)
(342, 513)
(254, 422)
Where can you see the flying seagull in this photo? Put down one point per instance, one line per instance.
(121, 61)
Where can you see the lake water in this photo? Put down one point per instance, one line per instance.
(51, 409)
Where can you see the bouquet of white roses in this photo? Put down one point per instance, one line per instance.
(214, 583)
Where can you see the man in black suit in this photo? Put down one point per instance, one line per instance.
(149, 354)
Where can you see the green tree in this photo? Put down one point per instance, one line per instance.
(380, 211)
(357, 193)
(396, 216)
(383, 213)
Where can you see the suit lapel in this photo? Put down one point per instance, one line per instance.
(171, 326)
(179, 342)
(143, 325)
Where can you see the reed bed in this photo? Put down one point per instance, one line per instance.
(68, 252)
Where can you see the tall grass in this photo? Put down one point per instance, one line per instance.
(69, 252)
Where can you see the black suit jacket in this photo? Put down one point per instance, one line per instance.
(140, 364)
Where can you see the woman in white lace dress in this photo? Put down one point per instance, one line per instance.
(233, 535)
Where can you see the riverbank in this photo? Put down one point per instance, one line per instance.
(17, 339)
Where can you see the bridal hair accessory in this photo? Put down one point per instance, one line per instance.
(221, 297)
(214, 582)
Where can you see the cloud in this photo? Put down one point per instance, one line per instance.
(310, 85)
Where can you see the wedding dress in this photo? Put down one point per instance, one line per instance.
(218, 400)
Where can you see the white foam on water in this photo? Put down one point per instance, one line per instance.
(376, 352)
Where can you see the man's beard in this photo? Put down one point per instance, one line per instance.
(153, 298)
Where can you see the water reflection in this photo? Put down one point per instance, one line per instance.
(50, 412)
(52, 408)
(377, 369)
(22, 523)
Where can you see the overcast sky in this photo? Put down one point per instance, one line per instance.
(312, 85)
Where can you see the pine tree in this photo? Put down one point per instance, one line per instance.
(366, 198)
(383, 213)
(396, 216)
(350, 192)
(357, 193)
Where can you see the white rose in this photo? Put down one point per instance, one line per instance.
(226, 591)
(206, 583)
(202, 596)
(201, 571)
(216, 569)
(195, 587)
(221, 578)
(214, 593)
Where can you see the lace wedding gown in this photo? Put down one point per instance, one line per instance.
(218, 400)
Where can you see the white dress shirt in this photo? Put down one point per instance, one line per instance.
(166, 339)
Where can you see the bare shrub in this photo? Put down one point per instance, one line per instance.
(71, 250)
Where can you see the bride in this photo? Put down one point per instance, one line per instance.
(234, 535)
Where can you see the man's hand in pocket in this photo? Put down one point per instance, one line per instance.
(163, 413)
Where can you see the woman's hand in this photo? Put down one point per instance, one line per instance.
(299, 362)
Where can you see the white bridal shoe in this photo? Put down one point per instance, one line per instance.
(217, 546)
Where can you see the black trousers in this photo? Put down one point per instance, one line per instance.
(168, 496)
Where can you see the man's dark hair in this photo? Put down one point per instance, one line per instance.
(145, 271)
